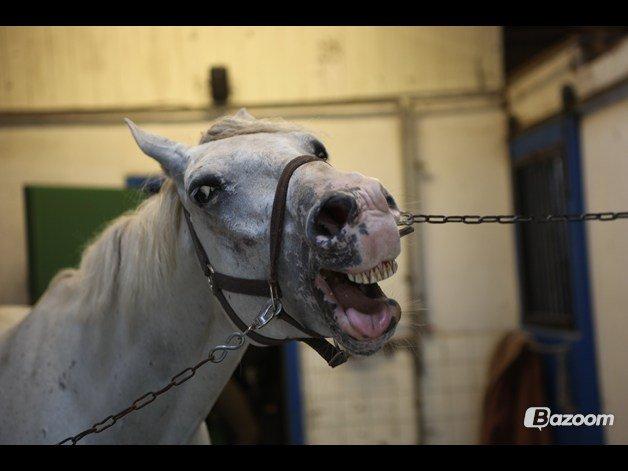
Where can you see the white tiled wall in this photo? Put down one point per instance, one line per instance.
(374, 400)
(469, 276)
(365, 401)
(453, 383)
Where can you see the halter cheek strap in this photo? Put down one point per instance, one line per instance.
(219, 282)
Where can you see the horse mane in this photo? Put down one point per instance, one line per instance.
(131, 257)
(237, 125)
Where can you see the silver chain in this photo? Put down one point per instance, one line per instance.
(216, 355)
(408, 219)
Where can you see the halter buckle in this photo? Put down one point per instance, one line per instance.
(267, 314)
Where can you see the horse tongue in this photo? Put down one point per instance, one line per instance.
(368, 316)
(370, 326)
(350, 296)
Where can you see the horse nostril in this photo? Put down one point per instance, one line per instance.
(390, 201)
(333, 214)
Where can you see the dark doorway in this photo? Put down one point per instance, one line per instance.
(252, 407)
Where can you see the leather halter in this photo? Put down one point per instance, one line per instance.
(219, 282)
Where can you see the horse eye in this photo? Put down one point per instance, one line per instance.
(319, 150)
(203, 194)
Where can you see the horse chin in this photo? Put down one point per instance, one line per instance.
(360, 316)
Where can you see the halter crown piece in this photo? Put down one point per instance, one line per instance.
(219, 282)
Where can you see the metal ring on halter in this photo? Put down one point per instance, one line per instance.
(405, 219)
(267, 314)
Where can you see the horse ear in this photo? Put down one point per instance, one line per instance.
(243, 114)
(172, 156)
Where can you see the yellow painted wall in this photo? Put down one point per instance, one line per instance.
(472, 281)
(469, 276)
(605, 169)
(100, 67)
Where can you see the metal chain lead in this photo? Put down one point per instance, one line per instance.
(235, 341)
(408, 219)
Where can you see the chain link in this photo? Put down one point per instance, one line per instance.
(235, 341)
(408, 219)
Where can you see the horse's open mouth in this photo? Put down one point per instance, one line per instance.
(364, 316)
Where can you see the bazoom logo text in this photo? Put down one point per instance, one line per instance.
(540, 417)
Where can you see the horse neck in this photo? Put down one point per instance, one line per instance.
(166, 318)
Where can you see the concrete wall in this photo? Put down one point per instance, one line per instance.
(465, 170)
(605, 165)
(470, 279)
(96, 67)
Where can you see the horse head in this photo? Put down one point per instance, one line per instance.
(340, 234)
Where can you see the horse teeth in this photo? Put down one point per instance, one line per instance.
(378, 273)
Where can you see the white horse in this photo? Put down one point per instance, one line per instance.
(137, 310)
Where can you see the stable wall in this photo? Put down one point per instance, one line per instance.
(46, 68)
(470, 274)
(605, 166)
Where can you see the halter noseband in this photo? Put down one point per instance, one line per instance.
(219, 282)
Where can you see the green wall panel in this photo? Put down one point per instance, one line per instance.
(61, 221)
